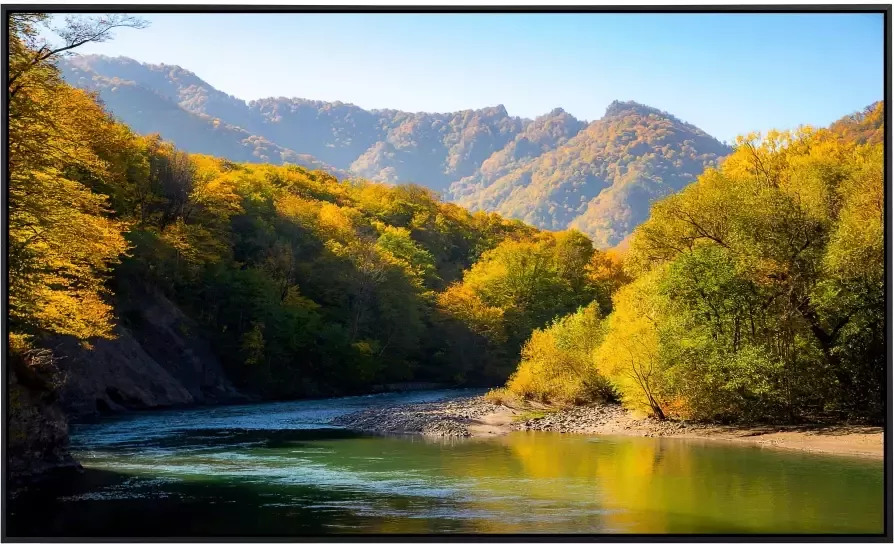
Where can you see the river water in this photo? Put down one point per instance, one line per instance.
(278, 469)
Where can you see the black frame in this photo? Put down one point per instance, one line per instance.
(885, 9)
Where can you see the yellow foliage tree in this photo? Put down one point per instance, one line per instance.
(630, 355)
(557, 361)
(62, 236)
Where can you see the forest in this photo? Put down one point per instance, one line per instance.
(756, 293)
(304, 285)
(553, 172)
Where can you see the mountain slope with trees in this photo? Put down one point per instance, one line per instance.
(603, 180)
(864, 127)
(553, 172)
(157, 109)
(754, 294)
(382, 145)
(544, 134)
(150, 269)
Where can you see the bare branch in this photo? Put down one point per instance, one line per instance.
(77, 31)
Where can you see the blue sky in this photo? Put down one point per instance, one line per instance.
(726, 73)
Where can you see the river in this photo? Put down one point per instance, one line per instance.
(278, 469)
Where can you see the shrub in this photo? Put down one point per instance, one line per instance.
(557, 362)
(501, 396)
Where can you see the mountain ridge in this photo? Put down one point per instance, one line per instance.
(555, 171)
(614, 168)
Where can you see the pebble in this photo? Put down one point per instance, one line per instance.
(452, 418)
(446, 419)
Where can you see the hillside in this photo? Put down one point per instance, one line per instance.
(149, 107)
(553, 172)
(383, 145)
(544, 134)
(863, 127)
(603, 180)
(160, 277)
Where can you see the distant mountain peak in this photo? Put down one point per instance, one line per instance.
(603, 179)
(87, 60)
(499, 109)
(618, 108)
(554, 171)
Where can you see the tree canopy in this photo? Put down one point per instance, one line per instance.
(754, 293)
(757, 292)
(553, 172)
(304, 284)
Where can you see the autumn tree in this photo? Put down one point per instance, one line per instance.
(62, 236)
(557, 361)
(746, 256)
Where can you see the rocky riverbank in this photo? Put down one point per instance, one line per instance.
(156, 360)
(37, 430)
(453, 418)
(475, 417)
(605, 419)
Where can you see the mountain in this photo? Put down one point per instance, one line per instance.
(544, 134)
(603, 180)
(434, 149)
(437, 149)
(553, 172)
(150, 104)
(867, 126)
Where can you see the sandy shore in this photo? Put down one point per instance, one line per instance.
(475, 417)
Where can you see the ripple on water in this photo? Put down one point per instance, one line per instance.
(284, 456)
(291, 471)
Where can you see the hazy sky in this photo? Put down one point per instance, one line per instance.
(727, 74)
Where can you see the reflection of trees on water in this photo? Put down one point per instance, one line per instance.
(565, 483)
(327, 482)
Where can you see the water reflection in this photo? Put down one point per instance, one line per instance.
(642, 485)
(241, 473)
